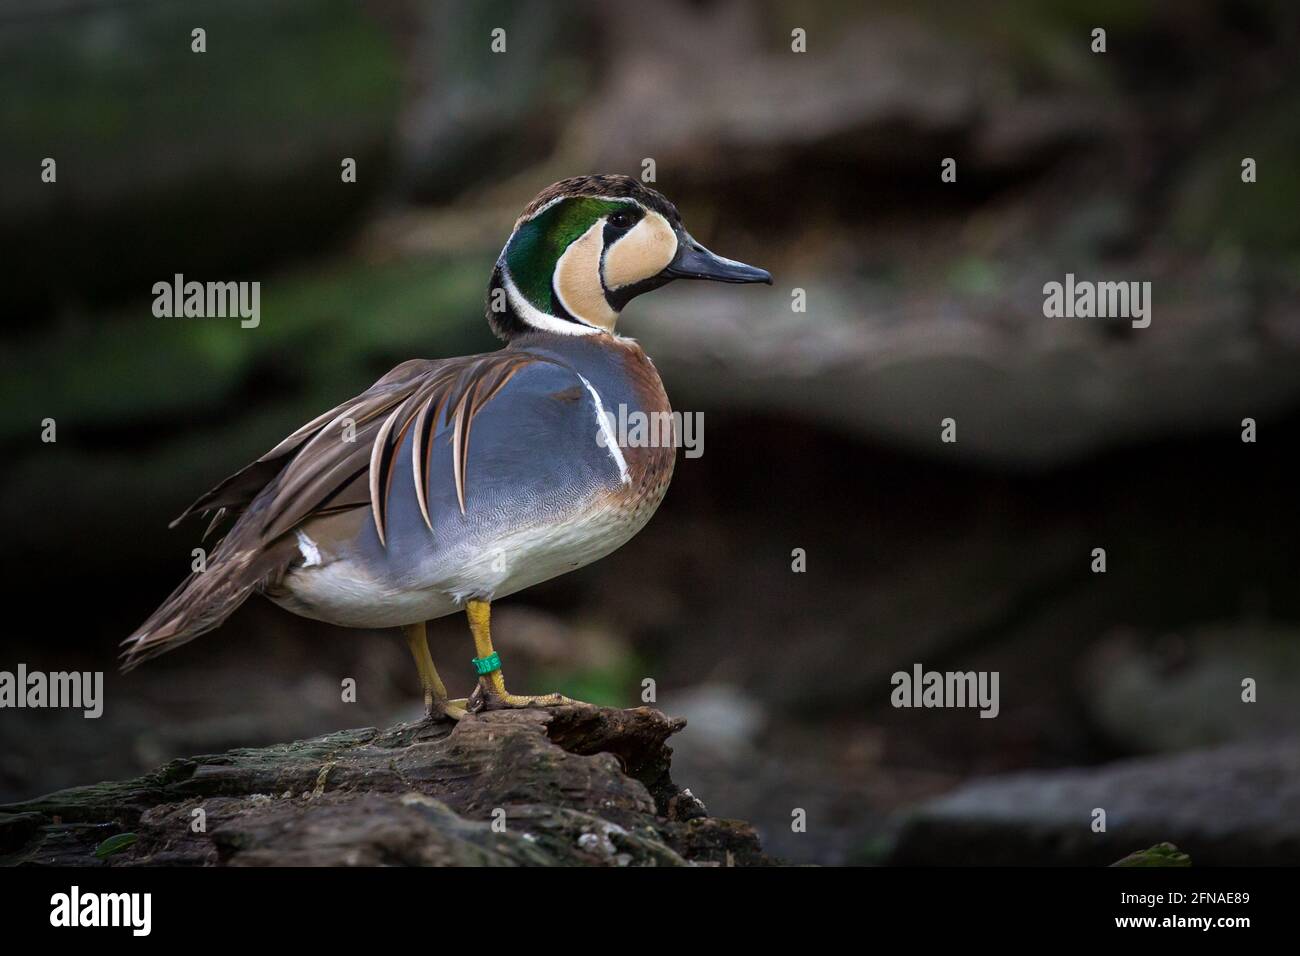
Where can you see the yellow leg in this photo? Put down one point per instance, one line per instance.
(436, 703)
(492, 686)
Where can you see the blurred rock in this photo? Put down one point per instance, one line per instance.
(1026, 391)
(1233, 806)
(867, 79)
(1182, 691)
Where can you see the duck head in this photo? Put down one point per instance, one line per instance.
(587, 246)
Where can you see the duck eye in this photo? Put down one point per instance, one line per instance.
(620, 219)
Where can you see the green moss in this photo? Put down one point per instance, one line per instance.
(1214, 209)
(115, 844)
(331, 330)
(975, 276)
(615, 684)
(1162, 854)
(92, 81)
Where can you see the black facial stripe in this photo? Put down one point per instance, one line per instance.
(618, 298)
(609, 236)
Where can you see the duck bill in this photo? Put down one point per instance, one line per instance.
(693, 261)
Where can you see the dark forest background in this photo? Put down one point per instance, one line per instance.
(822, 427)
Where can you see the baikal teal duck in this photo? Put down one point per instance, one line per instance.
(451, 483)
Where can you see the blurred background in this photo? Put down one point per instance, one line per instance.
(924, 301)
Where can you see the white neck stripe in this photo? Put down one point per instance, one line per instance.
(535, 317)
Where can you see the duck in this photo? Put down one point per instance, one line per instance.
(453, 483)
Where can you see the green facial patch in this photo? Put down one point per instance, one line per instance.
(538, 244)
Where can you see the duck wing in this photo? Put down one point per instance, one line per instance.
(343, 459)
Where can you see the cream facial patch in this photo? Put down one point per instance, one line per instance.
(644, 252)
(577, 279)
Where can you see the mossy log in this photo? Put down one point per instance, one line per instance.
(573, 786)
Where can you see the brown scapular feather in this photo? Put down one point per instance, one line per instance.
(316, 471)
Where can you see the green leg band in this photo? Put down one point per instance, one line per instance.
(486, 665)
